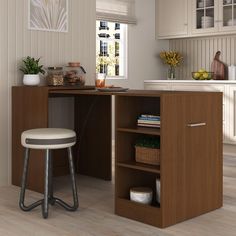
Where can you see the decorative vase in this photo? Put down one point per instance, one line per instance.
(31, 80)
(171, 72)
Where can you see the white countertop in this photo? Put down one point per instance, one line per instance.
(193, 81)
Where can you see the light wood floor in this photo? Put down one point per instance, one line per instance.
(95, 216)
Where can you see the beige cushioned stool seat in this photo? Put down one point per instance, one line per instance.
(48, 138)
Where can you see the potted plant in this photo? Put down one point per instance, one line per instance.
(31, 69)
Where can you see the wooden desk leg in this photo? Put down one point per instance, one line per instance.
(93, 127)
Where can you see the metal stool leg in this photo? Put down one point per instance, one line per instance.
(73, 181)
(74, 188)
(23, 185)
(50, 179)
(46, 185)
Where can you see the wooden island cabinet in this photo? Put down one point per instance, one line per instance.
(190, 170)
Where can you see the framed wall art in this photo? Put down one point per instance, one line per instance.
(48, 15)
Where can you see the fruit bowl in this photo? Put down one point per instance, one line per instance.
(202, 75)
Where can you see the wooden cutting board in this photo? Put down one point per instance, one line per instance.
(219, 68)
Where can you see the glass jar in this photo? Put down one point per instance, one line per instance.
(55, 76)
(74, 75)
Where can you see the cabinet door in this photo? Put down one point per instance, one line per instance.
(191, 155)
(205, 16)
(227, 15)
(203, 153)
(171, 18)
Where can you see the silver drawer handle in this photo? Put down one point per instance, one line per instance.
(196, 124)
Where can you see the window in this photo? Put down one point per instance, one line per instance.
(113, 17)
(111, 47)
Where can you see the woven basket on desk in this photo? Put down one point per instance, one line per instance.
(147, 155)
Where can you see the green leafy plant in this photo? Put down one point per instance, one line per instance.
(148, 141)
(31, 66)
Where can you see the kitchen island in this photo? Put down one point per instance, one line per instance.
(190, 169)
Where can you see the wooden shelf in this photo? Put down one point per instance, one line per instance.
(140, 166)
(145, 213)
(141, 130)
(154, 206)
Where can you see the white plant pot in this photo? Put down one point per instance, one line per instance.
(31, 80)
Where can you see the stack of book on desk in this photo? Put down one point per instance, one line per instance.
(146, 120)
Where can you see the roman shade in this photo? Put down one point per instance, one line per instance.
(120, 11)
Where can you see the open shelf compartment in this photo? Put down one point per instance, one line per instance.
(125, 152)
(130, 109)
(129, 178)
(125, 180)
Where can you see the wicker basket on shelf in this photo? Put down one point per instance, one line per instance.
(147, 155)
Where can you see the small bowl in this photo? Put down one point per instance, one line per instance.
(141, 195)
(202, 75)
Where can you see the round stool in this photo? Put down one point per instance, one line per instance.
(48, 139)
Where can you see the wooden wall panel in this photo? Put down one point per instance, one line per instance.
(17, 41)
(199, 53)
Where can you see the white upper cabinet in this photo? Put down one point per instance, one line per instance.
(204, 16)
(213, 16)
(227, 15)
(192, 18)
(171, 18)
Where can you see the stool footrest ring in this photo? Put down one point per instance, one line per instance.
(30, 207)
(65, 205)
(52, 202)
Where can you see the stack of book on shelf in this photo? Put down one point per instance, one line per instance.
(146, 120)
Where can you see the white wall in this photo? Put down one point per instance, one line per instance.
(16, 41)
(199, 52)
(143, 48)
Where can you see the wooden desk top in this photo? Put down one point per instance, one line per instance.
(146, 93)
(90, 90)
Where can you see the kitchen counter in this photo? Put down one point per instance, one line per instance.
(193, 81)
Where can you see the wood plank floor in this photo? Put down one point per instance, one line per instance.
(96, 218)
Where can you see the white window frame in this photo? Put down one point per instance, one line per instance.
(124, 50)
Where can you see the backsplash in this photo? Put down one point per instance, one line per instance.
(199, 53)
